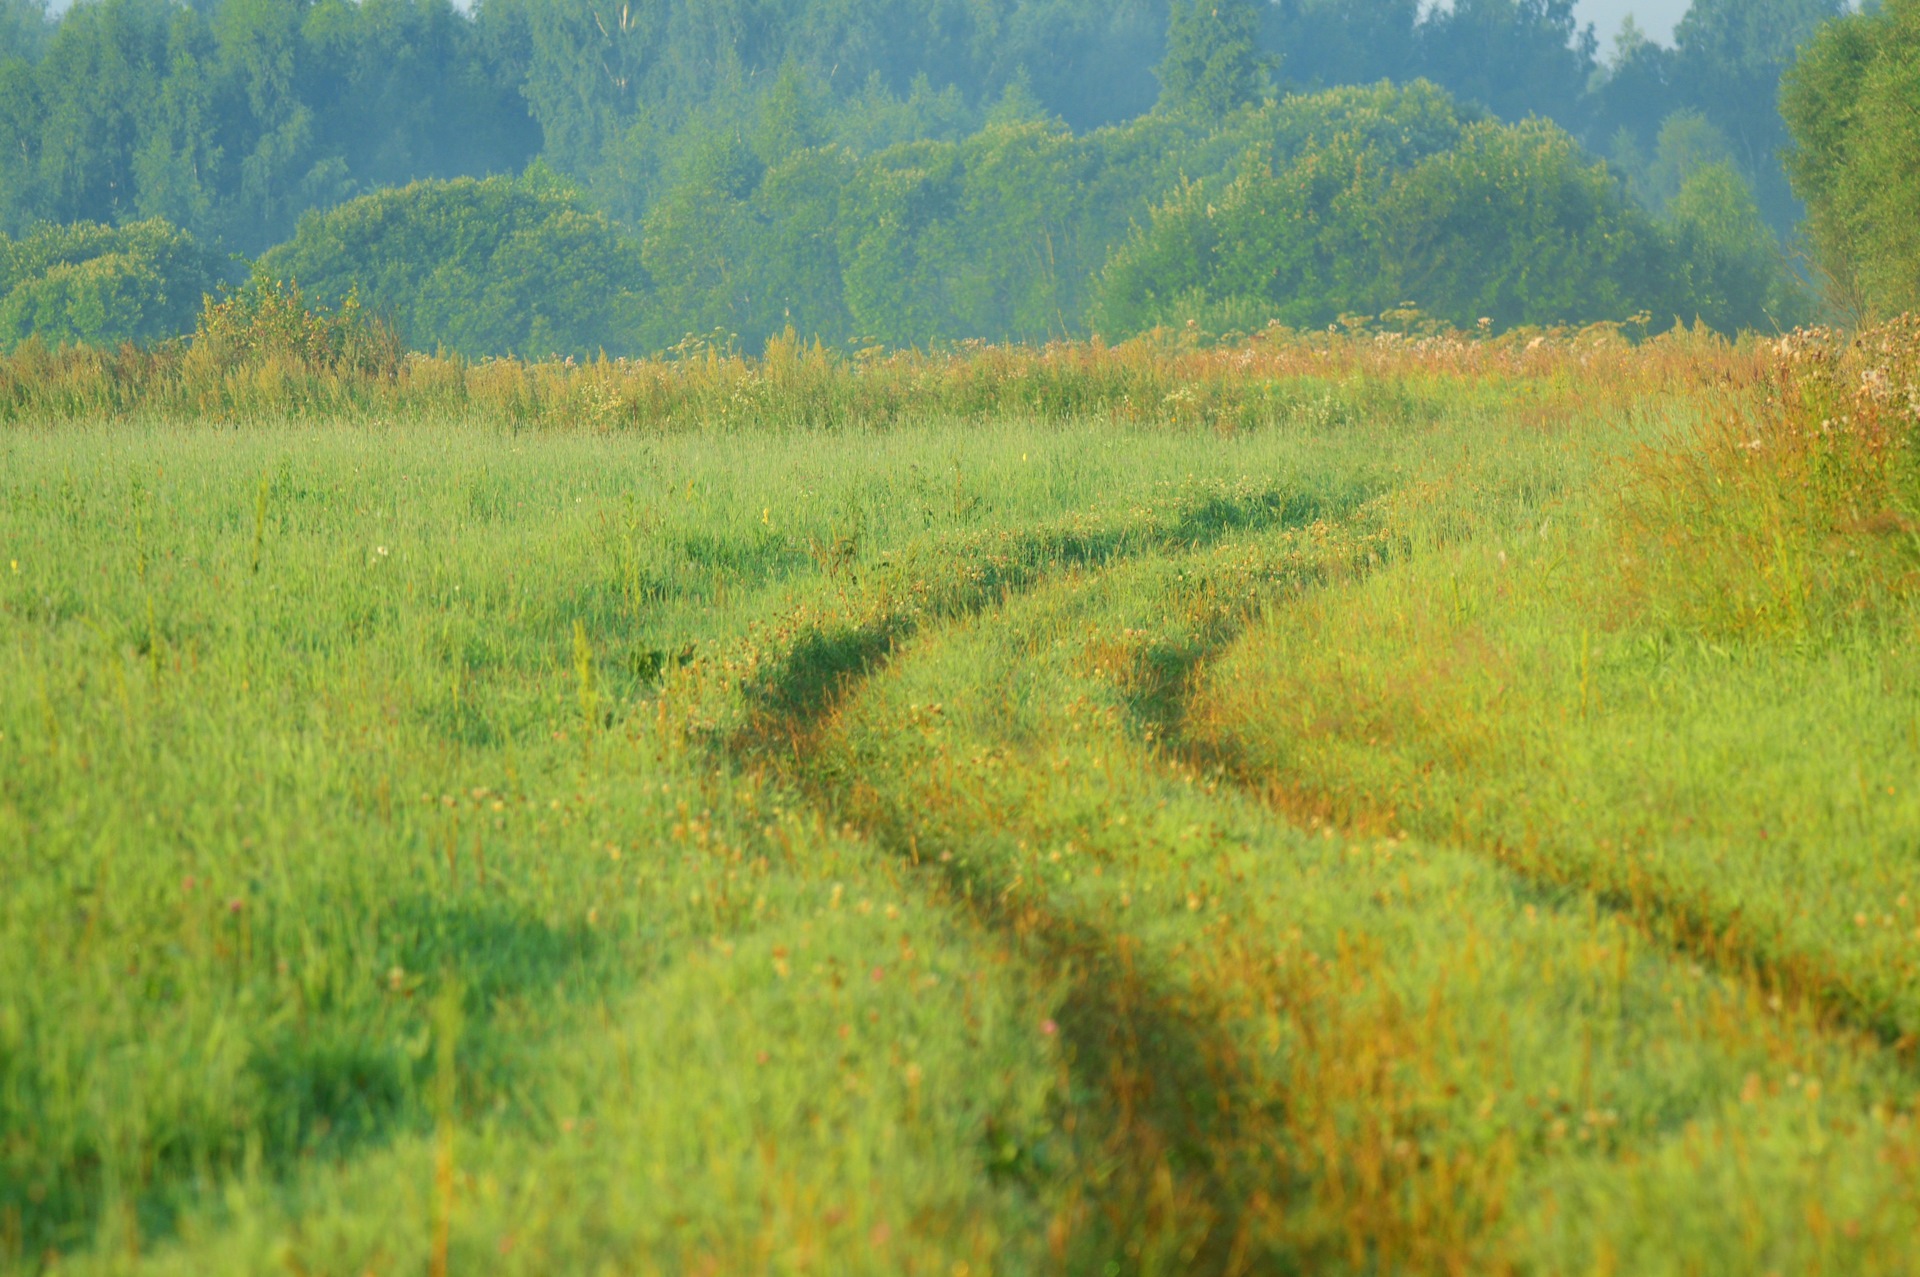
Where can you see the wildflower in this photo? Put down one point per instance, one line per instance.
(186, 883)
(1049, 1028)
(235, 905)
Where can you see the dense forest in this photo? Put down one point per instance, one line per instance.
(568, 176)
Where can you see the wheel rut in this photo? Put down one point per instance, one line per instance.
(1186, 1151)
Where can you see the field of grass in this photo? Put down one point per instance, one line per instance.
(1332, 805)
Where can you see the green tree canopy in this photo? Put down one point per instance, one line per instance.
(1476, 220)
(1513, 57)
(1856, 161)
(1734, 274)
(231, 118)
(1731, 56)
(1213, 63)
(102, 285)
(481, 267)
(23, 29)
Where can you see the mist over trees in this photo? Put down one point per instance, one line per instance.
(893, 171)
(1724, 71)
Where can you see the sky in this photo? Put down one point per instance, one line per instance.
(1655, 17)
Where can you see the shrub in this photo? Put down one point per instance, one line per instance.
(1509, 223)
(270, 322)
(490, 267)
(101, 285)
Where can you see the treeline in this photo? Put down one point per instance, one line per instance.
(895, 172)
(1303, 211)
(229, 118)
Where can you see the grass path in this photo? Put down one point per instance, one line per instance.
(1382, 1052)
(1752, 1065)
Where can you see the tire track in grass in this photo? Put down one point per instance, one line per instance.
(761, 695)
(1154, 1195)
(1268, 1165)
(1218, 731)
(809, 668)
(1163, 1107)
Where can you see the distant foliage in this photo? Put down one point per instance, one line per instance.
(913, 172)
(101, 285)
(1213, 64)
(23, 29)
(479, 267)
(1299, 209)
(1724, 69)
(1733, 274)
(231, 118)
(994, 235)
(1464, 220)
(1514, 57)
(1851, 104)
(1686, 143)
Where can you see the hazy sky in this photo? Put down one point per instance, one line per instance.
(1655, 17)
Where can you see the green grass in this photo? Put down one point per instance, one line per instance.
(994, 842)
(276, 701)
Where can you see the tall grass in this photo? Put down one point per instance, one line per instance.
(1686, 687)
(264, 356)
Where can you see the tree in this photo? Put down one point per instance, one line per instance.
(482, 267)
(102, 285)
(1089, 64)
(1513, 223)
(1322, 43)
(1687, 142)
(23, 29)
(1630, 97)
(1849, 102)
(1735, 276)
(1514, 57)
(90, 95)
(234, 117)
(1213, 63)
(1731, 56)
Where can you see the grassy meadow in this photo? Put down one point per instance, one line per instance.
(1327, 804)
